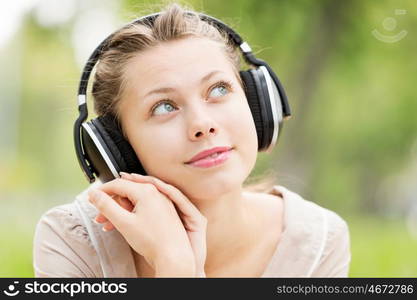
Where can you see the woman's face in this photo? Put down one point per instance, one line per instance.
(183, 97)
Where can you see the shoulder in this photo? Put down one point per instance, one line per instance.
(304, 212)
(321, 233)
(62, 246)
(335, 257)
(271, 205)
(64, 220)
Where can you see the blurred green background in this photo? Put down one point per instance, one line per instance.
(349, 69)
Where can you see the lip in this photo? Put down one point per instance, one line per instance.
(208, 162)
(208, 152)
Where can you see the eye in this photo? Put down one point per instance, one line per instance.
(158, 108)
(221, 89)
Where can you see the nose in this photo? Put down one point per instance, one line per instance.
(200, 125)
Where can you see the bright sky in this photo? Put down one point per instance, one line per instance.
(47, 13)
(93, 20)
(11, 14)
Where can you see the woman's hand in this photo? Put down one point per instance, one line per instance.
(152, 228)
(194, 222)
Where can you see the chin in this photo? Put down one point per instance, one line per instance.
(216, 184)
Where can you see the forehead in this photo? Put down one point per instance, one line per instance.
(177, 62)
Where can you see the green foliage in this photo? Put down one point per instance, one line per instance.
(16, 251)
(381, 248)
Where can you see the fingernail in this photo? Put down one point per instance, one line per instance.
(123, 174)
(104, 229)
(95, 221)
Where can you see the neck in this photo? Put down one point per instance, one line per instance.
(230, 227)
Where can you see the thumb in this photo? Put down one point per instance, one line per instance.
(108, 207)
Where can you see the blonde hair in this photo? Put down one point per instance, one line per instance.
(171, 24)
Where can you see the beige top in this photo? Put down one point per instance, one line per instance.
(315, 243)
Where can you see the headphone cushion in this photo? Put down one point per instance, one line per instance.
(118, 145)
(104, 133)
(253, 99)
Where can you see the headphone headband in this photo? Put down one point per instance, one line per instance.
(233, 35)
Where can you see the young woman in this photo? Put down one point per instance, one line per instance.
(174, 87)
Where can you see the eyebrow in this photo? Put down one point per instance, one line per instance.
(170, 89)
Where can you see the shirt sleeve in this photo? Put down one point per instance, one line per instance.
(336, 256)
(61, 246)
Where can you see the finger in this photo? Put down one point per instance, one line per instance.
(182, 202)
(123, 202)
(186, 207)
(176, 195)
(123, 188)
(100, 218)
(126, 204)
(108, 207)
(108, 226)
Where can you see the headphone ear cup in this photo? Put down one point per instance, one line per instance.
(254, 100)
(121, 149)
(98, 155)
(103, 129)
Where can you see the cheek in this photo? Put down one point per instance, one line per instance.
(249, 137)
(241, 129)
(241, 125)
(151, 144)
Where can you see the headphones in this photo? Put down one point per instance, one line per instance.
(101, 148)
